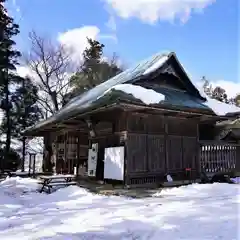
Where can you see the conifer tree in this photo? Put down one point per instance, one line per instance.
(94, 69)
(8, 60)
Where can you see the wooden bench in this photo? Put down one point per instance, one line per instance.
(49, 182)
(57, 184)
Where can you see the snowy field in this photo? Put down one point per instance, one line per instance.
(195, 212)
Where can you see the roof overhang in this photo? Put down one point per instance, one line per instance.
(81, 106)
(75, 120)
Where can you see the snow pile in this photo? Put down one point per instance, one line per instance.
(147, 96)
(201, 191)
(236, 180)
(193, 212)
(19, 186)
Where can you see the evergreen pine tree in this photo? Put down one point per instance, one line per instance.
(94, 69)
(8, 60)
(24, 112)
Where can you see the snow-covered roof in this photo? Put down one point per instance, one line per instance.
(147, 96)
(156, 95)
(219, 108)
(142, 70)
(229, 123)
(85, 100)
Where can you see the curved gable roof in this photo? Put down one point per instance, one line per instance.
(149, 66)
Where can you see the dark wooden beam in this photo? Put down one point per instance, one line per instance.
(133, 107)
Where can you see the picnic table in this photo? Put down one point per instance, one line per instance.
(18, 174)
(56, 180)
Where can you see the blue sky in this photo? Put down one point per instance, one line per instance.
(203, 33)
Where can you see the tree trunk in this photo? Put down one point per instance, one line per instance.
(8, 122)
(23, 152)
(54, 100)
(24, 138)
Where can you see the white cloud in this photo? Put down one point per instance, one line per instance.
(151, 11)
(111, 23)
(112, 26)
(76, 40)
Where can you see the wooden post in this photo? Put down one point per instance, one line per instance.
(78, 154)
(34, 163)
(23, 152)
(65, 151)
(237, 166)
(198, 155)
(29, 165)
(56, 154)
(165, 119)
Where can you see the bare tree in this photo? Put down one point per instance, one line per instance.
(219, 93)
(50, 65)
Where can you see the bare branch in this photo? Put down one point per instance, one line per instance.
(51, 65)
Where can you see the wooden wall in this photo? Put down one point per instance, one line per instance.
(157, 145)
(71, 149)
(72, 146)
(107, 135)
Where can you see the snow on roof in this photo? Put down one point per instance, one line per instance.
(147, 66)
(229, 123)
(147, 96)
(86, 99)
(219, 108)
(156, 65)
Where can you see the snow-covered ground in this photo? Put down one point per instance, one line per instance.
(195, 212)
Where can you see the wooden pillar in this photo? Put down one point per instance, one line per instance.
(65, 151)
(34, 163)
(78, 153)
(166, 143)
(23, 153)
(54, 154)
(121, 127)
(29, 165)
(237, 167)
(198, 154)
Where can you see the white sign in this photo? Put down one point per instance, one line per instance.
(114, 163)
(92, 162)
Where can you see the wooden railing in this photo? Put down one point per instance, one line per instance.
(218, 156)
